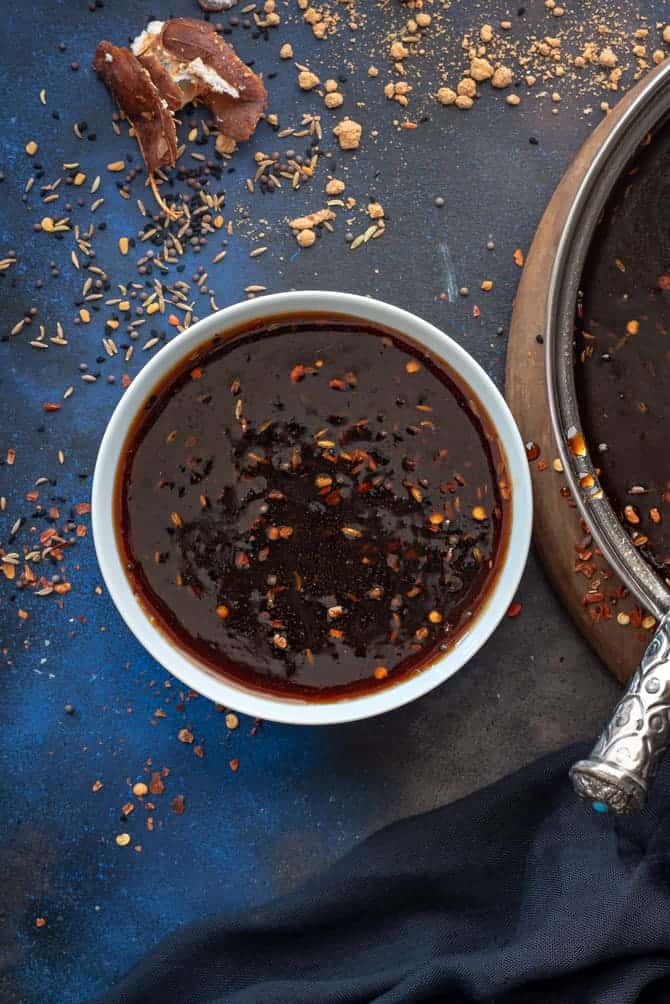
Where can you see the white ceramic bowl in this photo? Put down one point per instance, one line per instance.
(228, 692)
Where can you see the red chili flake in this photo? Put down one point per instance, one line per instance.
(542, 465)
(636, 617)
(234, 765)
(185, 736)
(518, 257)
(514, 610)
(297, 373)
(179, 805)
(126, 380)
(476, 312)
(337, 384)
(156, 786)
(590, 598)
(664, 281)
(51, 406)
(81, 508)
(40, 922)
(199, 751)
(11, 456)
(196, 373)
(241, 560)
(587, 569)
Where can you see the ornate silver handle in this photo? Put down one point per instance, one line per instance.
(617, 775)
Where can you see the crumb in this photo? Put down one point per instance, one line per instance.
(502, 77)
(348, 134)
(335, 187)
(468, 87)
(311, 221)
(480, 69)
(286, 51)
(305, 238)
(607, 58)
(446, 96)
(398, 51)
(307, 80)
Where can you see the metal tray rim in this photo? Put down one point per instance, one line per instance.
(650, 104)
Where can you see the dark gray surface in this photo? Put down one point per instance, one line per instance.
(301, 797)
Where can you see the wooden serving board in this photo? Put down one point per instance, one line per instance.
(557, 532)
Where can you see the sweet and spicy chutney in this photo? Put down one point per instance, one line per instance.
(312, 506)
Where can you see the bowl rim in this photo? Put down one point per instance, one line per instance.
(226, 691)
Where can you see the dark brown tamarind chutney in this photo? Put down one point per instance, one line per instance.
(313, 506)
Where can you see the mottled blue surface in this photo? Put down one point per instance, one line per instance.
(301, 797)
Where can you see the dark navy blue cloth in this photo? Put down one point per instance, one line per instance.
(515, 895)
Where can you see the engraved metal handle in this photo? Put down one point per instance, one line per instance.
(617, 775)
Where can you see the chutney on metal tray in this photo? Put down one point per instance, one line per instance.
(622, 339)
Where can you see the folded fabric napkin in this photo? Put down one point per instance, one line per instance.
(516, 894)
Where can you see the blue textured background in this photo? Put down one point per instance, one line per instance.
(301, 797)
